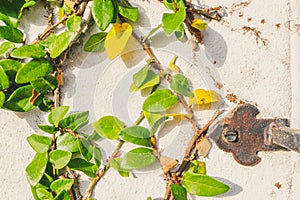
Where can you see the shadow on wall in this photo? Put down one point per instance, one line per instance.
(215, 47)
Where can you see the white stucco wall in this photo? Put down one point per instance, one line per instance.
(267, 75)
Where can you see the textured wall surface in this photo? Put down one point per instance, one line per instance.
(253, 53)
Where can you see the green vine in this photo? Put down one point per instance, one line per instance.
(31, 75)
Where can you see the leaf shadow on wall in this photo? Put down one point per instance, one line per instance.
(215, 47)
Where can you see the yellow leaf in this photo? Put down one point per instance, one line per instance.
(116, 39)
(202, 97)
(180, 115)
(173, 66)
(199, 24)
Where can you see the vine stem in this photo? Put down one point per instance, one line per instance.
(115, 154)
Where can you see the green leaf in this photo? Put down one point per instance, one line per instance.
(2, 99)
(116, 164)
(10, 67)
(103, 13)
(151, 80)
(57, 114)
(80, 164)
(9, 11)
(108, 127)
(44, 85)
(85, 148)
(28, 4)
(6, 47)
(58, 44)
(44, 194)
(39, 143)
(11, 34)
(95, 43)
(136, 135)
(172, 21)
(127, 11)
(48, 129)
(160, 101)
(63, 195)
(29, 51)
(37, 167)
(157, 124)
(198, 167)
(179, 192)
(202, 185)
(61, 184)
(73, 23)
(97, 156)
(67, 142)
(60, 158)
(32, 70)
(138, 158)
(19, 100)
(75, 121)
(180, 84)
(4, 81)
(140, 76)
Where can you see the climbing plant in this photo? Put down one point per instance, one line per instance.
(31, 75)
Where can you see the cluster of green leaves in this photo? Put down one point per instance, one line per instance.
(106, 12)
(26, 75)
(155, 106)
(67, 149)
(174, 22)
(112, 128)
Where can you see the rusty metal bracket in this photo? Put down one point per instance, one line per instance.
(242, 134)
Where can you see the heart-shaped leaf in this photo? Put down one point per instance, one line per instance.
(19, 100)
(61, 184)
(60, 158)
(95, 43)
(67, 142)
(39, 143)
(86, 167)
(151, 80)
(138, 158)
(202, 185)
(136, 135)
(32, 70)
(108, 127)
(58, 44)
(57, 114)
(160, 101)
(11, 34)
(116, 39)
(85, 148)
(75, 121)
(29, 51)
(180, 84)
(35, 170)
(103, 12)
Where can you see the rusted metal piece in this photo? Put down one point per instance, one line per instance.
(242, 134)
